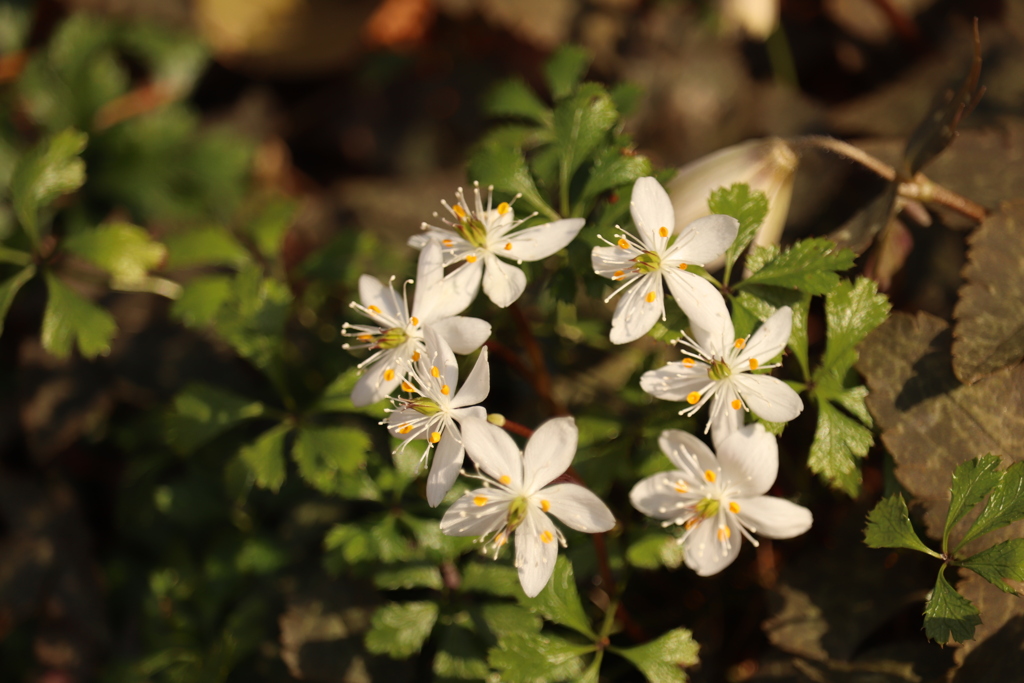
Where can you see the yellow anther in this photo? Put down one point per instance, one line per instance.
(651, 296)
(753, 364)
(734, 507)
(445, 390)
(688, 363)
(710, 475)
(505, 479)
(692, 522)
(407, 387)
(389, 375)
(415, 356)
(740, 343)
(546, 536)
(501, 538)
(435, 437)
(365, 337)
(623, 244)
(724, 533)
(545, 505)
(471, 259)
(414, 320)
(683, 266)
(405, 429)
(680, 487)
(618, 275)
(448, 243)
(663, 231)
(508, 246)
(693, 397)
(503, 208)
(479, 500)
(373, 308)
(736, 404)
(434, 372)
(459, 211)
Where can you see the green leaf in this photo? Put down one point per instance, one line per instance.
(15, 256)
(50, 169)
(491, 578)
(514, 98)
(71, 320)
(581, 123)
(201, 299)
(408, 576)
(972, 480)
(213, 245)
(265, 457)
(839, 442)
(253, 321)
(371, 540)
(400, 629)
(559, 601)
(654, 550)
(502, 618)
(505, 168)
(124, 250)
(889, 527)
(536, 658)
(809, 265)
(851, 312)
(10, 288)
(1002, 561)
(326, 455)
(1005, 505)
(613, 168)
(746, 206)
(565, 69)
(662, 659)
(202, 412)
(459, 655)
(948, 614)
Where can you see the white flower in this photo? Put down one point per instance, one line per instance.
(721, 372)
(433, 413)
(755, 18)
(479, 235)
(641, 264)
(517, 500)
(397, 335)
(719, 500)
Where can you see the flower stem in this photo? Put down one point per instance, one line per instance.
(540, 378)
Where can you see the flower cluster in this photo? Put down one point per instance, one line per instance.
(413, 352)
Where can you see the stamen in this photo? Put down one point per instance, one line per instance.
(663, 231)
(479, 501)
(688, 363)
(408, 388)
(471, 259)
(683, 266)
(459, 211)
(736, 404)
(710, 476)
(753, 364)
(546, 536)
(373, 308)
(618, 275)
(724, 533)
(445, 390)
(508, 246)
(693, 397)
(434, 372)
(414, 320)
(734, 507)
(405, 429)
(680, 487)
(505, 479)
(389, 375)
(365, 337)
(435, 437)
(545, 505)
(651, 296)
(623, 244)
(503, 208)
(690, 523)
(415, 356)
(448, 243)
(740, 343)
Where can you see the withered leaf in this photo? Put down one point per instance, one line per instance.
(989, 332)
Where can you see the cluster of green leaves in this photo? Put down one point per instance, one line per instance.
(949, 615)
(792, 277)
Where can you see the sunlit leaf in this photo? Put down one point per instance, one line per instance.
(810, 265)
(399, 629)
(889, 527)
(559, 601)
(662, 660)
(71, 320)
(265, 457)
(537, 658)
(748, 207)
(1002, 561)
(972, 480)
(50, 169)
(565, 69)
(124, 250)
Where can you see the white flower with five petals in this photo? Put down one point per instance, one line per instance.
(719, 500)
(518, 498)
(643, 264)
(436, 408)
(480, 234)
(721, 371)
(396, 337)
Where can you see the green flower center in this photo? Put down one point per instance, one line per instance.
(647, 262)
(718, 370)
(473, 231)
(516, 513)
(425, 406)
(708, 507)
(396, 336)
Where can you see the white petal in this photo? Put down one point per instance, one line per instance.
(493, 451)
(498, 223)
(536, 551)
(503, 282)
(773, 517)
(656, 496)
(769, 340)
(606, 261)
(451, 295)
(704, 240)
(372, 386)
(446, 465)
(652, 210)
(429, 273)
(420, 239)
(406, 416)
(549, 452)
(466, 518)
(716, 336)
(705, 553)
(675, 381)
(437, 354)
(724, 418)
(373, 293)
(634, 315)
(577, 507)
(750, 460)
(464, 335)
(541, 241)
(700, 300)
(676, 444)
(767, 397)
(477, 384)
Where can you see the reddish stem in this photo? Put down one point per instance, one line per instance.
(541, 379)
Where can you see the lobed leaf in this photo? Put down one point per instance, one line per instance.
(852, 311)
(889, 527)
(749, 207)
(839, 442)
(662, 660)
(124, 250)
(513, 98)
(202, 412)
(947, 614)
(400, 629)
(809, 265)
(559, 601)
(50, 169)
(71, 320)
(1002, 561)
(326, 455)
(972, 481)
(1005, 505)
(265, 457)
(537, 658)
(581, 123)
(408, 576)
(505, 168)
(565, 69)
